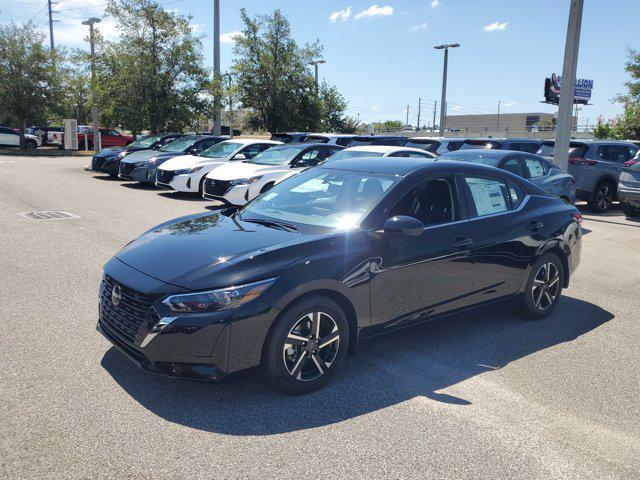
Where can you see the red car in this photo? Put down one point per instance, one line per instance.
(108, 136)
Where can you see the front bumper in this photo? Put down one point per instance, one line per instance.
(202, 346)
(144, 174)
(108, 165)
(629, 197)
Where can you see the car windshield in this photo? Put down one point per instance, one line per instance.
(428, 146)
(478, 158)
(545, 150)
(179, 145)
(276, 156)
(476, 145)
(322, 197)
(353, 154)
(221, 150)
(145, 142)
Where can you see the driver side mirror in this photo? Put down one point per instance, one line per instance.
(239, 156)
(404, 225)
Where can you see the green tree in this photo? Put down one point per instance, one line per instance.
(27, 76)
(153, 76)
(332, 108)
(388, 126)
(627, 126)
(351, 125)
(632, 67)
(602, 130)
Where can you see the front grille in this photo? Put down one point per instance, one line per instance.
(165, 176)
(126, 169)
(97, 162)
(216, 188)
(132, 312)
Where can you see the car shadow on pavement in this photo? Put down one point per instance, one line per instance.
(418, 361)
(139, 185)
(107, 177)
(181, 196)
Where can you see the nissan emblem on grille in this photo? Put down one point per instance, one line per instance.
(116, 295)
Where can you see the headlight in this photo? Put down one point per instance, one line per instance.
(122, 154)
(153, 160)
(221, 299)
(186, 171)
(245, 181)
(142, 164)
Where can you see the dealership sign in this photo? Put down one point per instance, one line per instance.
(581, 89)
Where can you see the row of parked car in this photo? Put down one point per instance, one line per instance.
(235, 171)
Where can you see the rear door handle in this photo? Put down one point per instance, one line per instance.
(462, 242)
(535, 225)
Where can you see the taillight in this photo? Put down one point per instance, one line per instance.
(577, 216)
(582, 161)
(628, 163)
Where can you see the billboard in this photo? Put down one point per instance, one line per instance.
(581, 89)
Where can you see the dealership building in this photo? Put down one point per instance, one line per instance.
(507, 124)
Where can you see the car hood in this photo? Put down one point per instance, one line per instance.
(110, 151)
(210, 250)
(236, 170)
(189, 161)
(140, 156)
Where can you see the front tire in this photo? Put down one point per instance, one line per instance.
(544, 287)
(30, 144)
(306, 346)
(630, 211)
(602, 197)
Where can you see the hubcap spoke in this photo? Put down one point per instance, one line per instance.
(297, 369)
(293, 339)
(329, 339)
(315, 324)
(319, 362)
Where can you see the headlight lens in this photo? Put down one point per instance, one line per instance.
(221, 299)
(185, 171)
(122, 154)
(245, 181)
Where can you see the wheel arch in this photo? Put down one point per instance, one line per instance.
(561, 251)
(608, 179)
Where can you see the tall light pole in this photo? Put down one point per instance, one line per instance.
(217, 79)
(565, 120)
(94, 96)
(443, 100)
(315, 68)
(51, 20)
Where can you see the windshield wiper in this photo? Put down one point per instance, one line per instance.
(272, 223)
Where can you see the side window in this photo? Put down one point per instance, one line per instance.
(433, 203)
(343, 141)
(417, 155)
(516, 194)
(514, 165)
(488, 196)
(536, 167)
(327, 152)
(618, 153)
(453, 146)
(251, 151)
(312, 156)
(398, 154)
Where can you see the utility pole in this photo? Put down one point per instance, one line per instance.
(435, 107)
(443, 100)
(407, 121)
(569, 67)
(315, 64)
(498, 120)
(419, 108)
(51, 44)
(96, 116)
(217, 80)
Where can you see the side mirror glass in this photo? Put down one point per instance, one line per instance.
(239, 156)
(404, 225)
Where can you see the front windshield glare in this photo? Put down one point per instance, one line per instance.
(322, 197)
(352, 154)
(145, 142)
(221, 150)
(179, 145)
(276, 156)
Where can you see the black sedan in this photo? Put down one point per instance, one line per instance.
(296, 278)
(142, 165)
(107, 160)
(536, 169)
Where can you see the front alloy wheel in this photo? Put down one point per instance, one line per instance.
(546, 286)
(311, 346)
(603, 198)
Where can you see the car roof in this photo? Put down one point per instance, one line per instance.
(382, 148)
(401, 166)
(591, 141)
(379, 137)
(488, 153)
(250, 141)
(331, 135)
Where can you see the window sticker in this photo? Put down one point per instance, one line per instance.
(487, 196)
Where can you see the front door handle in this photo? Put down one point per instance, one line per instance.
(462, 242)
(535, 225)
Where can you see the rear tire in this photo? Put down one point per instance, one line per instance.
(306, 345)
(630, 211)
(544, 287)
(602, 197)
(30, 144)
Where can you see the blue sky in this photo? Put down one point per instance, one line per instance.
(380, 56)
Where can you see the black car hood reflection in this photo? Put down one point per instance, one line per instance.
(210, 250)
(110, 151)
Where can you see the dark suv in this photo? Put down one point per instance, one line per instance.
(528, 145)
(596, 167)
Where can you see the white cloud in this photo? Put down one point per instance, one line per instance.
(73, 33)
(509, 104)
(435, 3)
(421, 26)
(340, 15)
(375, 11)
(374, 108)
(492, 27)
(230, 37)
(456, 108)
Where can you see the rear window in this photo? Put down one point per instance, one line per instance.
(455, 145)
(316, 139)
(529, 147)
(282, 137)
(427, 146)
(343, 141)
(478, 144)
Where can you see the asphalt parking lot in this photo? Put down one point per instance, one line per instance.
(481, 395)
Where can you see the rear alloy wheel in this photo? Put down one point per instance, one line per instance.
(543, 287)
(307, 346)
(31, 144)
(602, 197)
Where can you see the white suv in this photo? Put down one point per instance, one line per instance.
(238, 183)
(382, 151)
(9, 138)
(186, 173)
